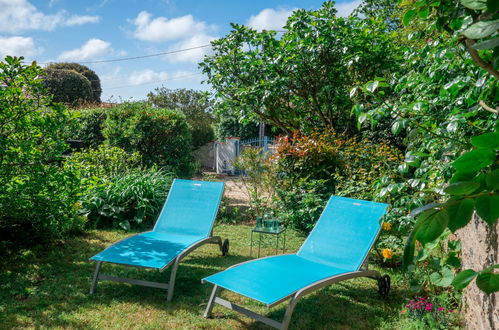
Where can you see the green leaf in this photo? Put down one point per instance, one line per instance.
(474, 4)
(481, 29)
(453, 261)
(487, 44)
(423, 13)
(463, 279)
(409, 249)
(488, 281)
(396, 127)
(487, 140)
(462, 176)
(432, 225)
(460, 214)
(409, 15)
(462, 188)
(474, 160)
(492, 6)
(492, 180)
(443, 277)
(487, 208)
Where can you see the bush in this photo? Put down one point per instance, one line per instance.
(128, 200)
(68, 86)
(195, 107)
(161, 136)
(92, 77)
(90, 125)
(38, 198)
(102, 164)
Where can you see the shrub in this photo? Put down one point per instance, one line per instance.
(68, 86)
(90, 125)
(195, 107)
(161, 136)
(99, 165)
(92, 77)
(38, 198)
(127, 200)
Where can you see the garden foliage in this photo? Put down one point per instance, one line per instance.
(194, 105)
(38, 198)
(161, 136)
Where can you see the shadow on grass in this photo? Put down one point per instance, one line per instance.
(42, 286)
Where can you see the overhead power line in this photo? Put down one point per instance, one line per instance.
(142, 56)
(156, 82)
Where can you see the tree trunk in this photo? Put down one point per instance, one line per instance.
(480, 249)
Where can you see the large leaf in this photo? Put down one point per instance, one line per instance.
(409, 249)
(464, 278)
(459, 213)
(487, 44)
(431, 225)
(487, 140)
(474, 4)
(492, 180)
(462, 188)
(474, 160)
(443, 277)
(487, 208)
(481, 29)
(488, 281)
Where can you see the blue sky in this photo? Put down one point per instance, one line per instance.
(96, 30)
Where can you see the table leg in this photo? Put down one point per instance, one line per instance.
(251, 244)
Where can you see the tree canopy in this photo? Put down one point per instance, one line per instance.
(299, 79)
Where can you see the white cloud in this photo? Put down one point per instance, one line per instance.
(194, 55)
(346, 8)
(80, 20)
(18, 46)
(146, 76)
(270, 19)
(20, 15)
(163, 29)
(93, 48)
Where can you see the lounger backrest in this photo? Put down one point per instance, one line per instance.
(344, 233)
(191, 207)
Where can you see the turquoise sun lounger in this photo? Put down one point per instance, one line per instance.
(184, 224)
(337, 249)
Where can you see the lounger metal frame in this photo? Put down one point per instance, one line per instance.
(167, 286)
(295, 296)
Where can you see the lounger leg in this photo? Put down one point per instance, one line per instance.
(289, 312)
(211, 302)
(96, 277)
(171, 284)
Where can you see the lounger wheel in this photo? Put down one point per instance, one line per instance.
(225, 247)
(384, 283)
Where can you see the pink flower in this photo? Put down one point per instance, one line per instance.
(429, 307)
(451, 310)
(441, 309)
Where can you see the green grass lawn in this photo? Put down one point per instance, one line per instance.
(47, 287)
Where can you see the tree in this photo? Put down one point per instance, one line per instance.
(194, 105)
(68, 87)
(92, 77)
(298, 80)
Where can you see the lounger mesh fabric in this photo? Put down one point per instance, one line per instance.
(338, 244)
(187, 217)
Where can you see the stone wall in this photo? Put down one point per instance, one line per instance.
(480, 249)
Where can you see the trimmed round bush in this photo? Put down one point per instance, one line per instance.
(68, 86)
(85, 71)
(161, 136)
